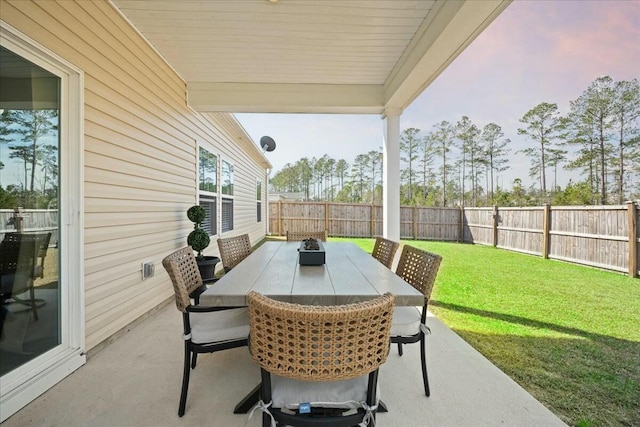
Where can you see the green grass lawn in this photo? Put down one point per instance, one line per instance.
(570, 335)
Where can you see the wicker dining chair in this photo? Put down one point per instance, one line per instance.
(384, 250)
(206, 329)
(233, 250)
(298, 236)
(418, 268)
(319, 364)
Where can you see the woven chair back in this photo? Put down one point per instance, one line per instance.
(233, 250)
(298, 236)
(320, 343)
(419, 268)
(385, 250)
(185, 276)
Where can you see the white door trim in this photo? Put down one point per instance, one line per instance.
(27, 382)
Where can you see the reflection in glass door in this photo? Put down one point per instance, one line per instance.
(30, 295)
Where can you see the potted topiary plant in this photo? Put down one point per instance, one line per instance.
(199, 239)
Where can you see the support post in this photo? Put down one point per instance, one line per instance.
(633, 239)
(391, 174)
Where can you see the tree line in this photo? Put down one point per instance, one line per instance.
(459, 163)
(31, 138)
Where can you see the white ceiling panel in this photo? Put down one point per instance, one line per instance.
(298, 55)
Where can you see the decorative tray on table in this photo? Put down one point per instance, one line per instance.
(311, 252)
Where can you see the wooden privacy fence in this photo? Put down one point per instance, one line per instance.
(600, 236)
(31, 220)
(358, 220)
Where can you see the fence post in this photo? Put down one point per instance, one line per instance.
(326, 217)
(372, 225)
(415, 223)
(461, 237)
(495, 226)
(633, 239)
(546, 228)
(279, 217)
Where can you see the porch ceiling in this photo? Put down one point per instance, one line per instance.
(309, 56)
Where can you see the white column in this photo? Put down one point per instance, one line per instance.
(391, 175)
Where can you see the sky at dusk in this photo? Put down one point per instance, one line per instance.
(535, 51)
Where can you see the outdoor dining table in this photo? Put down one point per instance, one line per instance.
(349, 275)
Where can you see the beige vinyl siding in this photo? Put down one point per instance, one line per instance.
(140, 156)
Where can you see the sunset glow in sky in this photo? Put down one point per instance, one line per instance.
(535, 51)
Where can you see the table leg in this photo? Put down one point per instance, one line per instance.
(248, 401)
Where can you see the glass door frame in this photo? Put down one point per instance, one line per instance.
(25, 383)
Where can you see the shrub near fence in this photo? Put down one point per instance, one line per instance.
(600, 236)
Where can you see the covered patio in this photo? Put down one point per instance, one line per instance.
(151, 83)
(135, 381)
(329, 57)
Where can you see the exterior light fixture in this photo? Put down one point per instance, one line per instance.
(267, 143)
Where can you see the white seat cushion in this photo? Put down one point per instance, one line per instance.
(406, 321)
(221, 325)
(289, 393)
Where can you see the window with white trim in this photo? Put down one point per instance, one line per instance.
(208, 186)
(226, 181)
(259, 201)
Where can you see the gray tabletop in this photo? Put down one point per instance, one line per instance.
(349, 275)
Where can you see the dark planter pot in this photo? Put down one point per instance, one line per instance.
(207, 267)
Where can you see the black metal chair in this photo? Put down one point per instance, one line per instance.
(319, 364)
(206, 329)
(20, 254)
(418, 268)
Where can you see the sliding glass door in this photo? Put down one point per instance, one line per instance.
(41, 300)
(29, 194)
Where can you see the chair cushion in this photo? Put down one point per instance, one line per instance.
(289, 393)
(406, 321)
(221, 325)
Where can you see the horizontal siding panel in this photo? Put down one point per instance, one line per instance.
(123, 309)
(93, 205)
(127, 261)
(142, 231)
(103, 126)
(141, 184)
(110, 219)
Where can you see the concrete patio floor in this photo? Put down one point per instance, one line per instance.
(135, 381)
